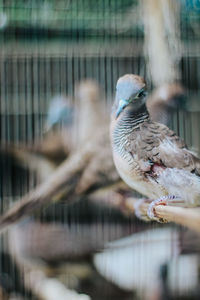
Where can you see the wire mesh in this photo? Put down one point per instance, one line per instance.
(46, 48)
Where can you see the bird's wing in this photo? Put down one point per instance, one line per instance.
(156, 143)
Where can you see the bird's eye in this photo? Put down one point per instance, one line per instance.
(141, 94)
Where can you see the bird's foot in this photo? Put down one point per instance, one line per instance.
(138, 212)
(165, 200)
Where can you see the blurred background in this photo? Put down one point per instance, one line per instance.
(85, 250)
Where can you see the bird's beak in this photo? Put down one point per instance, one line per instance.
(122, 104)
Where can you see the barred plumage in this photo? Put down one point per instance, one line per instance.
(148, 155)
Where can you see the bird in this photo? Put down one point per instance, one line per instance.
(89, 110)
(164, 101)
(79, 118)
(59, 111)
(53, 146)
(149, 156)
(88, 167)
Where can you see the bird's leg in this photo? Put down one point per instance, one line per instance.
(165, 200)
(138, 212)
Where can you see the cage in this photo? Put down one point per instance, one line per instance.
(47, 47)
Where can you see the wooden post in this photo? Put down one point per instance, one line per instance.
(162, 45)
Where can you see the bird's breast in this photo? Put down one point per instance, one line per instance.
(129, 171)
(132, 170)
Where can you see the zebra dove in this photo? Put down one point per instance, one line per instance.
(149, 156)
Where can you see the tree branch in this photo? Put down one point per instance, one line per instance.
(63, 178)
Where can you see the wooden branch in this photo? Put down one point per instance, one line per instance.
(51, 147)
(52, 189)
(189, 217)
(33, 161)
(64, 181)
(115, 196)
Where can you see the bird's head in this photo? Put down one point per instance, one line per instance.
(60, 111)
(87, 91)
(130, 89)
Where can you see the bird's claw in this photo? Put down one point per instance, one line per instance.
(151, 213)
(137, 208)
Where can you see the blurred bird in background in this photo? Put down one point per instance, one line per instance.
(56, 143)
(90, 113)
(44, 154)
(85, 169)
(68, 123)
(164, 101)
(60, 111)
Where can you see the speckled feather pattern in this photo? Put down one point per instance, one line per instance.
(157, 143)
(151, 158)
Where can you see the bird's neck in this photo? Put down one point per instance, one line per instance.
(129, 121)
(131, 118)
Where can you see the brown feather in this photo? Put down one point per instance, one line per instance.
(150, 142)
(149, 156)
